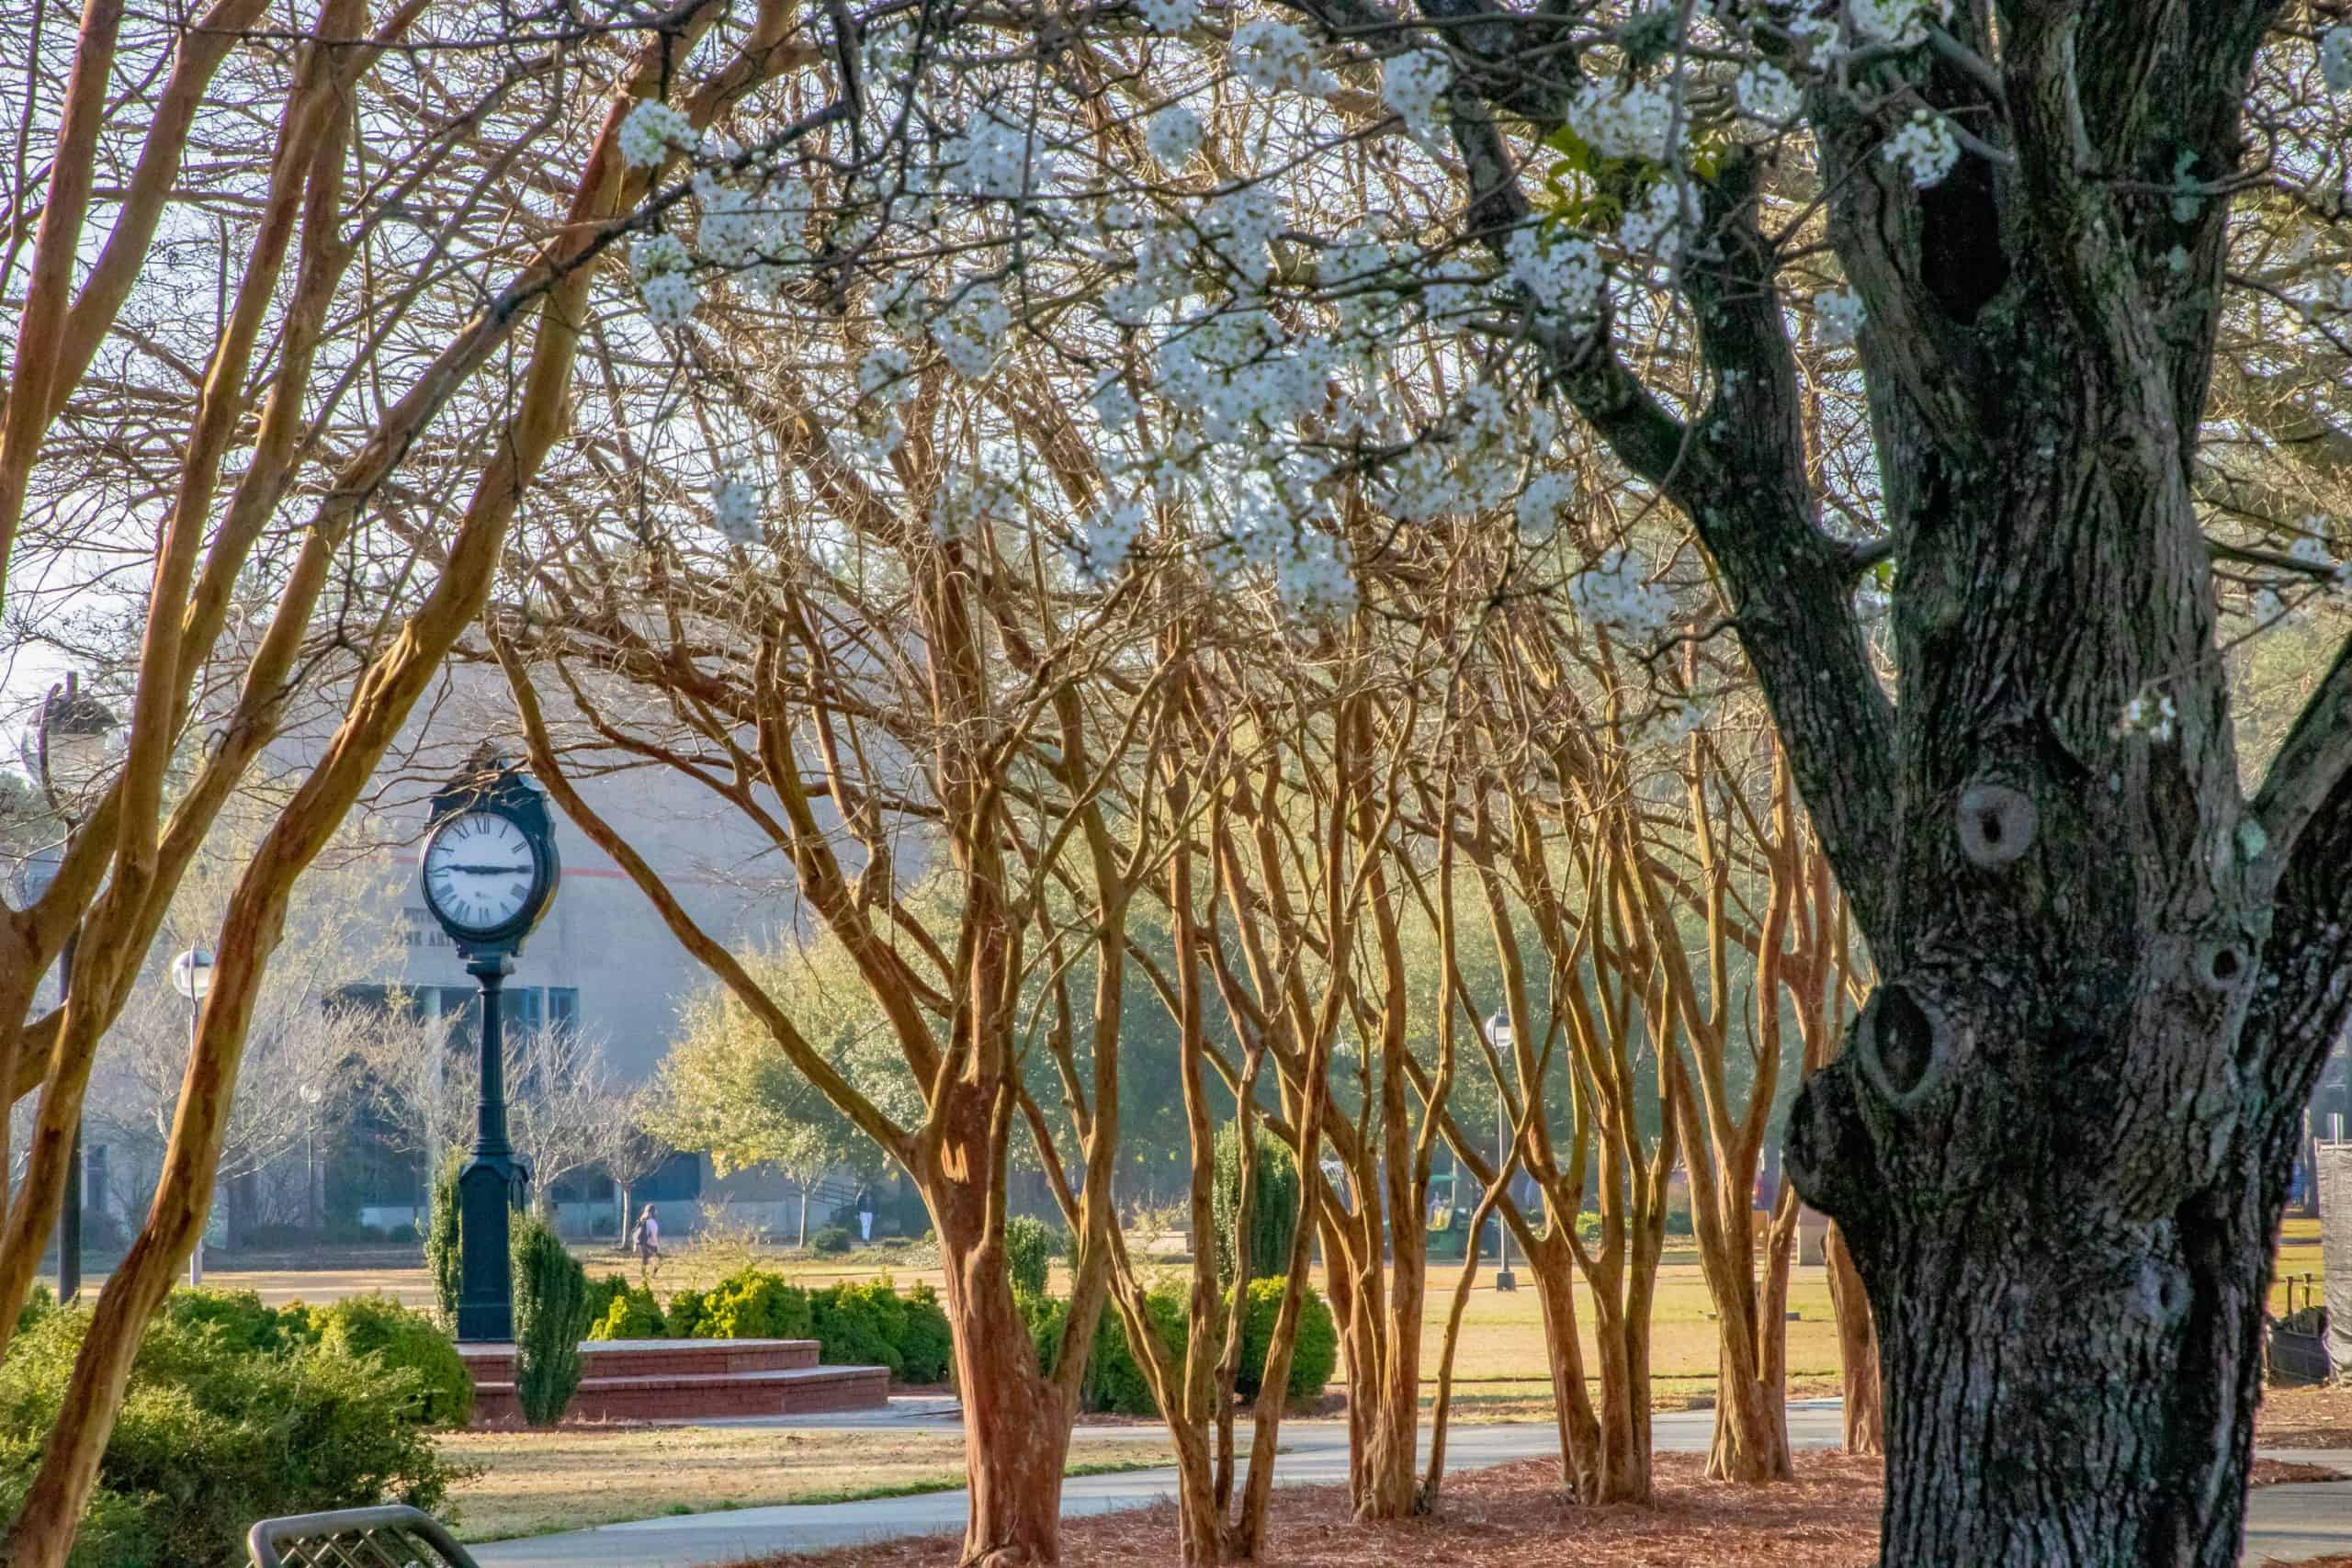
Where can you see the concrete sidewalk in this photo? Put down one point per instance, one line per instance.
(2286, 1523)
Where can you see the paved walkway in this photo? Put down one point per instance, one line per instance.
(2287, 1523)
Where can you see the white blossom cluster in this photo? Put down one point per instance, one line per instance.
(661, 266)
(653, 132)
(756, 230)
(1279, 535)
(1169, 16)
(2310, 548)
(972, 332)
(2154, 716)
(1562, 277)
(1414, 85)
(2336, 58)
(1614, 592)
(1240, 225)
(1114, 405)
(1655, 226)
(1107, 542)
(1925, 147)
(1899, 24)
(1840, 315)
(1764, 92)
(1629, 120)
(990, 158)
(1173, 134)
(886, 373)
(1544, 501)
(735, 508)
(1242, 377)
(1273, 55)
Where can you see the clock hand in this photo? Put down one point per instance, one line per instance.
(489, 870)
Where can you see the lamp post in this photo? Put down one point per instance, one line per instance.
(1498, 1031)
(72, 731)
(490, 872)
(309, 1092)
(192, 978)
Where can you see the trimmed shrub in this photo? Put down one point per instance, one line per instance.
(861, 1326)
(551, 1318)
(831, 1238)
(927, 1346)
(244, 1325)
(1114, 1378)
(441, 1239)
(632, 1314)
(1315, 1348)
(1273, 1206)
(1030, 1247)
(602, 1293)
(212, 1438)
(380, 1328)
(682, 1318)
(753, 1304)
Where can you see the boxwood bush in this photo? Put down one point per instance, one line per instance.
(753, 1304)
(861, 1326)
(1315, 1348)
(214, 1435)
(631, 1314)
(380, 1328)
(927, 1347)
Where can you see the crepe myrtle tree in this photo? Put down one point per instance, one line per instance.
(1976, 307)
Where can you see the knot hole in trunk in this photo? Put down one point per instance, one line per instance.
(1904, 1045)
(1996, 823)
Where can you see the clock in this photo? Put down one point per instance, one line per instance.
(489, 866)
(479, 871)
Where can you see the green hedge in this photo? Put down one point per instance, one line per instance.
(629, 1315)
(1114, 1381)
(380, 1328)
(215, 1433)
(1315, 1347)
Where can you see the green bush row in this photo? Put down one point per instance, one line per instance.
(1115, 1382)
(861, 1325)
(237, 1412)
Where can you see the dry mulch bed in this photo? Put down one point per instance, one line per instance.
(2285, 1472)
(1513, 1515)
(2315, 1418)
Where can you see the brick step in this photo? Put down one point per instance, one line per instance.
(796, 1391)
(490, 1363)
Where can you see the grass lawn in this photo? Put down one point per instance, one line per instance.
(573, 1477)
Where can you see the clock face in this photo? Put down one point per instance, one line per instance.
(479, 870)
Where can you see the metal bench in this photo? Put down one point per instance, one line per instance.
(392, 1537)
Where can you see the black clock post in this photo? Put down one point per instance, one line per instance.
(491, 795)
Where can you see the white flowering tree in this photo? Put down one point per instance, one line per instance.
(1898, 304)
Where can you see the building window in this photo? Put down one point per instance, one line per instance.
(563, 1007)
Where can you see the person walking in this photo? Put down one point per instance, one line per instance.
(865, 1213)
(648, 1243)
